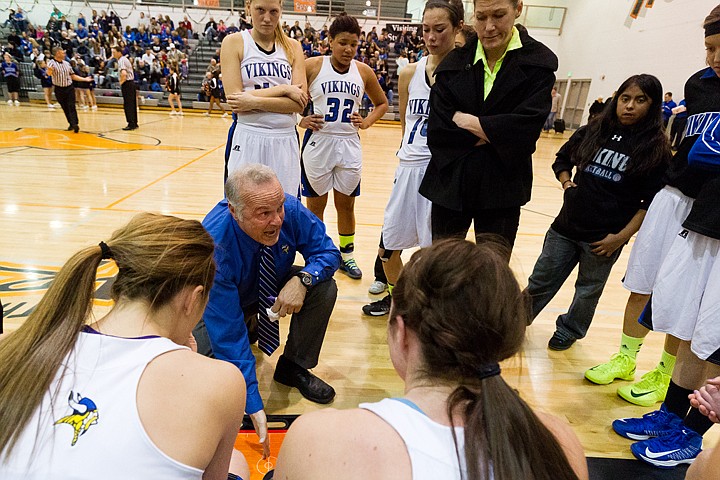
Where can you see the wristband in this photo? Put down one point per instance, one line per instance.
(563, 183)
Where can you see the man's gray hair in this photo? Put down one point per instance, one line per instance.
(245, 179)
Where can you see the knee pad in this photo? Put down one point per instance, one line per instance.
(385, 256)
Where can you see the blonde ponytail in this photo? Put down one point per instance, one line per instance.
(284, 42)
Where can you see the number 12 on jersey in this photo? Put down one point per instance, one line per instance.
(334, 109)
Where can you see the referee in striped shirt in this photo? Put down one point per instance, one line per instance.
(127, 87)
(62, 78)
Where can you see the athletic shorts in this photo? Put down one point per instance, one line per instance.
(331, 162)
(663, 221)
(278, 149)
(13, 84)
(686, 298)
(407, 215)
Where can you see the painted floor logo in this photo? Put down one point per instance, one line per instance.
(48, 139)
(22, 286)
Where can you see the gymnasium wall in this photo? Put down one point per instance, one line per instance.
(602, 43)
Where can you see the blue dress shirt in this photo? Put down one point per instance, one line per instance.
(236, 280)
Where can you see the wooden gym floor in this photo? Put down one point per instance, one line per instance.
(61, 191)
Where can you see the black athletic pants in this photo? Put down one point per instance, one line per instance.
(129, 103)
(66, 98)
(307, 327)
(499, 221)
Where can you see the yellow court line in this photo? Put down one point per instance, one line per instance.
(165, 176)
(103, 209)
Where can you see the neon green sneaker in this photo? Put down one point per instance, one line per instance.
(620, 366)
(648, 391)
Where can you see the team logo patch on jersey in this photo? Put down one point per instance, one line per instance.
(683, 233)
(84, 415)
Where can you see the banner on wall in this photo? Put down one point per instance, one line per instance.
(207, 3)
(304, 6)
(395, 30)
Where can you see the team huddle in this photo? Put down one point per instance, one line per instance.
(471, 112)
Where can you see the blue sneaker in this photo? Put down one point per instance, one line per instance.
(351, 269)
(680, 446)
(653, 424)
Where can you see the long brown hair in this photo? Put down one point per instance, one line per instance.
(652, 147)
(157, 256)
(466, 308)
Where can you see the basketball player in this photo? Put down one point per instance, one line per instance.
(265, 85)
(331, 153)
(668, 211)
(407, 215)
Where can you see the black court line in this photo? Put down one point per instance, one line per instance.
(15, 151)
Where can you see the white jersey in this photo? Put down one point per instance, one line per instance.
(429, 445)
(414, 144)
(261, 69)
(336, 96)
(91, 429)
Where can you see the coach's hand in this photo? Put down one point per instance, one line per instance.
(314, 122)
(291, 298)
(259, 420)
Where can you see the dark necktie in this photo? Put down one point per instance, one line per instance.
(268, 331)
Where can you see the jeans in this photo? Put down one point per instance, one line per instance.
(549, 122)
(557, 260)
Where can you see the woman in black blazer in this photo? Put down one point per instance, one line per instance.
(487, 108)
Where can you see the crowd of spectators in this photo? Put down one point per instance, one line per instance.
(154, 44)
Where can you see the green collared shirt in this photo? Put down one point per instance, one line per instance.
(490, 75)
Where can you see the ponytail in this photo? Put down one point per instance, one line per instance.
(463, 303)
(157, 256)
(504, 437)
(284, 42)
(31, 356)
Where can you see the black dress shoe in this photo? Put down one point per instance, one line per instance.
(76, 129)
(70, 128)
(129, 128)
(311, 387)
(560, 342)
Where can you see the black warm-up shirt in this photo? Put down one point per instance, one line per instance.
(607, 196)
